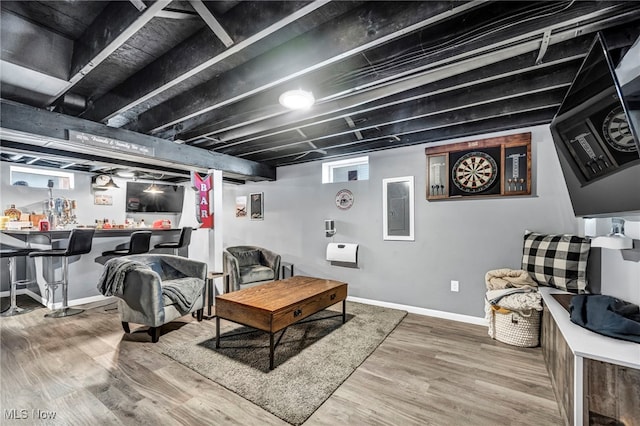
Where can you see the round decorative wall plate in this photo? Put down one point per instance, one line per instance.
(344, 199)
(474, 172)
(616, 131)
(102, 180)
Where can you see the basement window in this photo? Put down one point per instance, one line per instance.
(346, 170)
(40, 178)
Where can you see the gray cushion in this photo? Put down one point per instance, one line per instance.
(248, 258)
(252, 274)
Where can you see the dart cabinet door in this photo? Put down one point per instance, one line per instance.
(493, 167)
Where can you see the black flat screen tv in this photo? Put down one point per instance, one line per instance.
(595, 134)
(170, 200)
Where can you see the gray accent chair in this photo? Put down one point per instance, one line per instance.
(250, 265)
(142, 300)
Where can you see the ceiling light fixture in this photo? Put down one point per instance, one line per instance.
(153, 189)
(111, 183)
(297, 99)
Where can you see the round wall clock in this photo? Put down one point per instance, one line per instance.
(474, 172)
(616, 131)
(102, 180)
(344, 199)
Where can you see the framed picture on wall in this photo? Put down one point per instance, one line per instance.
(241, 206)
(398, 209)
(256, 206)
(103, 200)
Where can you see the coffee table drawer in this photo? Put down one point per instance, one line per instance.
(303, 309)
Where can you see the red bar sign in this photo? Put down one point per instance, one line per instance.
(203, 186)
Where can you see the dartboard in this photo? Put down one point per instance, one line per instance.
(474, 172)
(616, 131)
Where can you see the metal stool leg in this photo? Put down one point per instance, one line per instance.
(66, 311)
(14, 309)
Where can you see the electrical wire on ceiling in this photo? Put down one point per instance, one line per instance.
(420, 52)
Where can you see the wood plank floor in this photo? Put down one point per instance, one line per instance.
(429, 371)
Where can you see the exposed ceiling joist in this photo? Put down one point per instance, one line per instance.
(176, 14)
(113, 28)
(423, 116)
(212, 22)
(344, 37)
(476, 59)
(24, 124)
(559, 56)
(139, 4)
(192, 57)
(353, 126)
(384, 74)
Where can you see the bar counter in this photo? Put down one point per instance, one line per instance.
(84, 270)
(25, 234)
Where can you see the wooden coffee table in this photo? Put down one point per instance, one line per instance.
(276, 305)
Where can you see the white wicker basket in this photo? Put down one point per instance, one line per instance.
(516, 328)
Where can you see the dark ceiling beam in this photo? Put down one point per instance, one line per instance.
(210, 124)
(25, 124)
(363, 28)
(31, 46)
(444, 112)
(201, 51)
(57, 155)
(113, 27)
(409, 116)
(485, 119)
(461, 130)
(488, 55)
(558, 55)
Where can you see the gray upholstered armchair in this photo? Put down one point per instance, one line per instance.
(154, 289)
(250, 265)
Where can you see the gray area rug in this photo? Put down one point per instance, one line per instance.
(312, 359)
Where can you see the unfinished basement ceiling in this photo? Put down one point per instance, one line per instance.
(384, 74)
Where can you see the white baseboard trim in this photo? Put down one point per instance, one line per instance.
(423, 311)
(33, 295)
(92, 299)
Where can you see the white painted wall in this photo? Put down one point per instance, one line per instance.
(621, 269)
(455, 240)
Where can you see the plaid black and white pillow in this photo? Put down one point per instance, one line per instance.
(557, 260)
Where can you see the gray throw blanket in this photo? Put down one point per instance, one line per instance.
(182, 292)
(115, 270)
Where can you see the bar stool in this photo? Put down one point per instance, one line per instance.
(79, 243)
(185, 240)
(138, 244)
(12, 254)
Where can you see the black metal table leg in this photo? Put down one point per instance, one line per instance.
(270, 351)
(211, 291)
(217, 332)
(210, 296)
(344, 311)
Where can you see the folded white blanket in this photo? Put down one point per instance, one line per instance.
(508, 278)
(520, 300)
